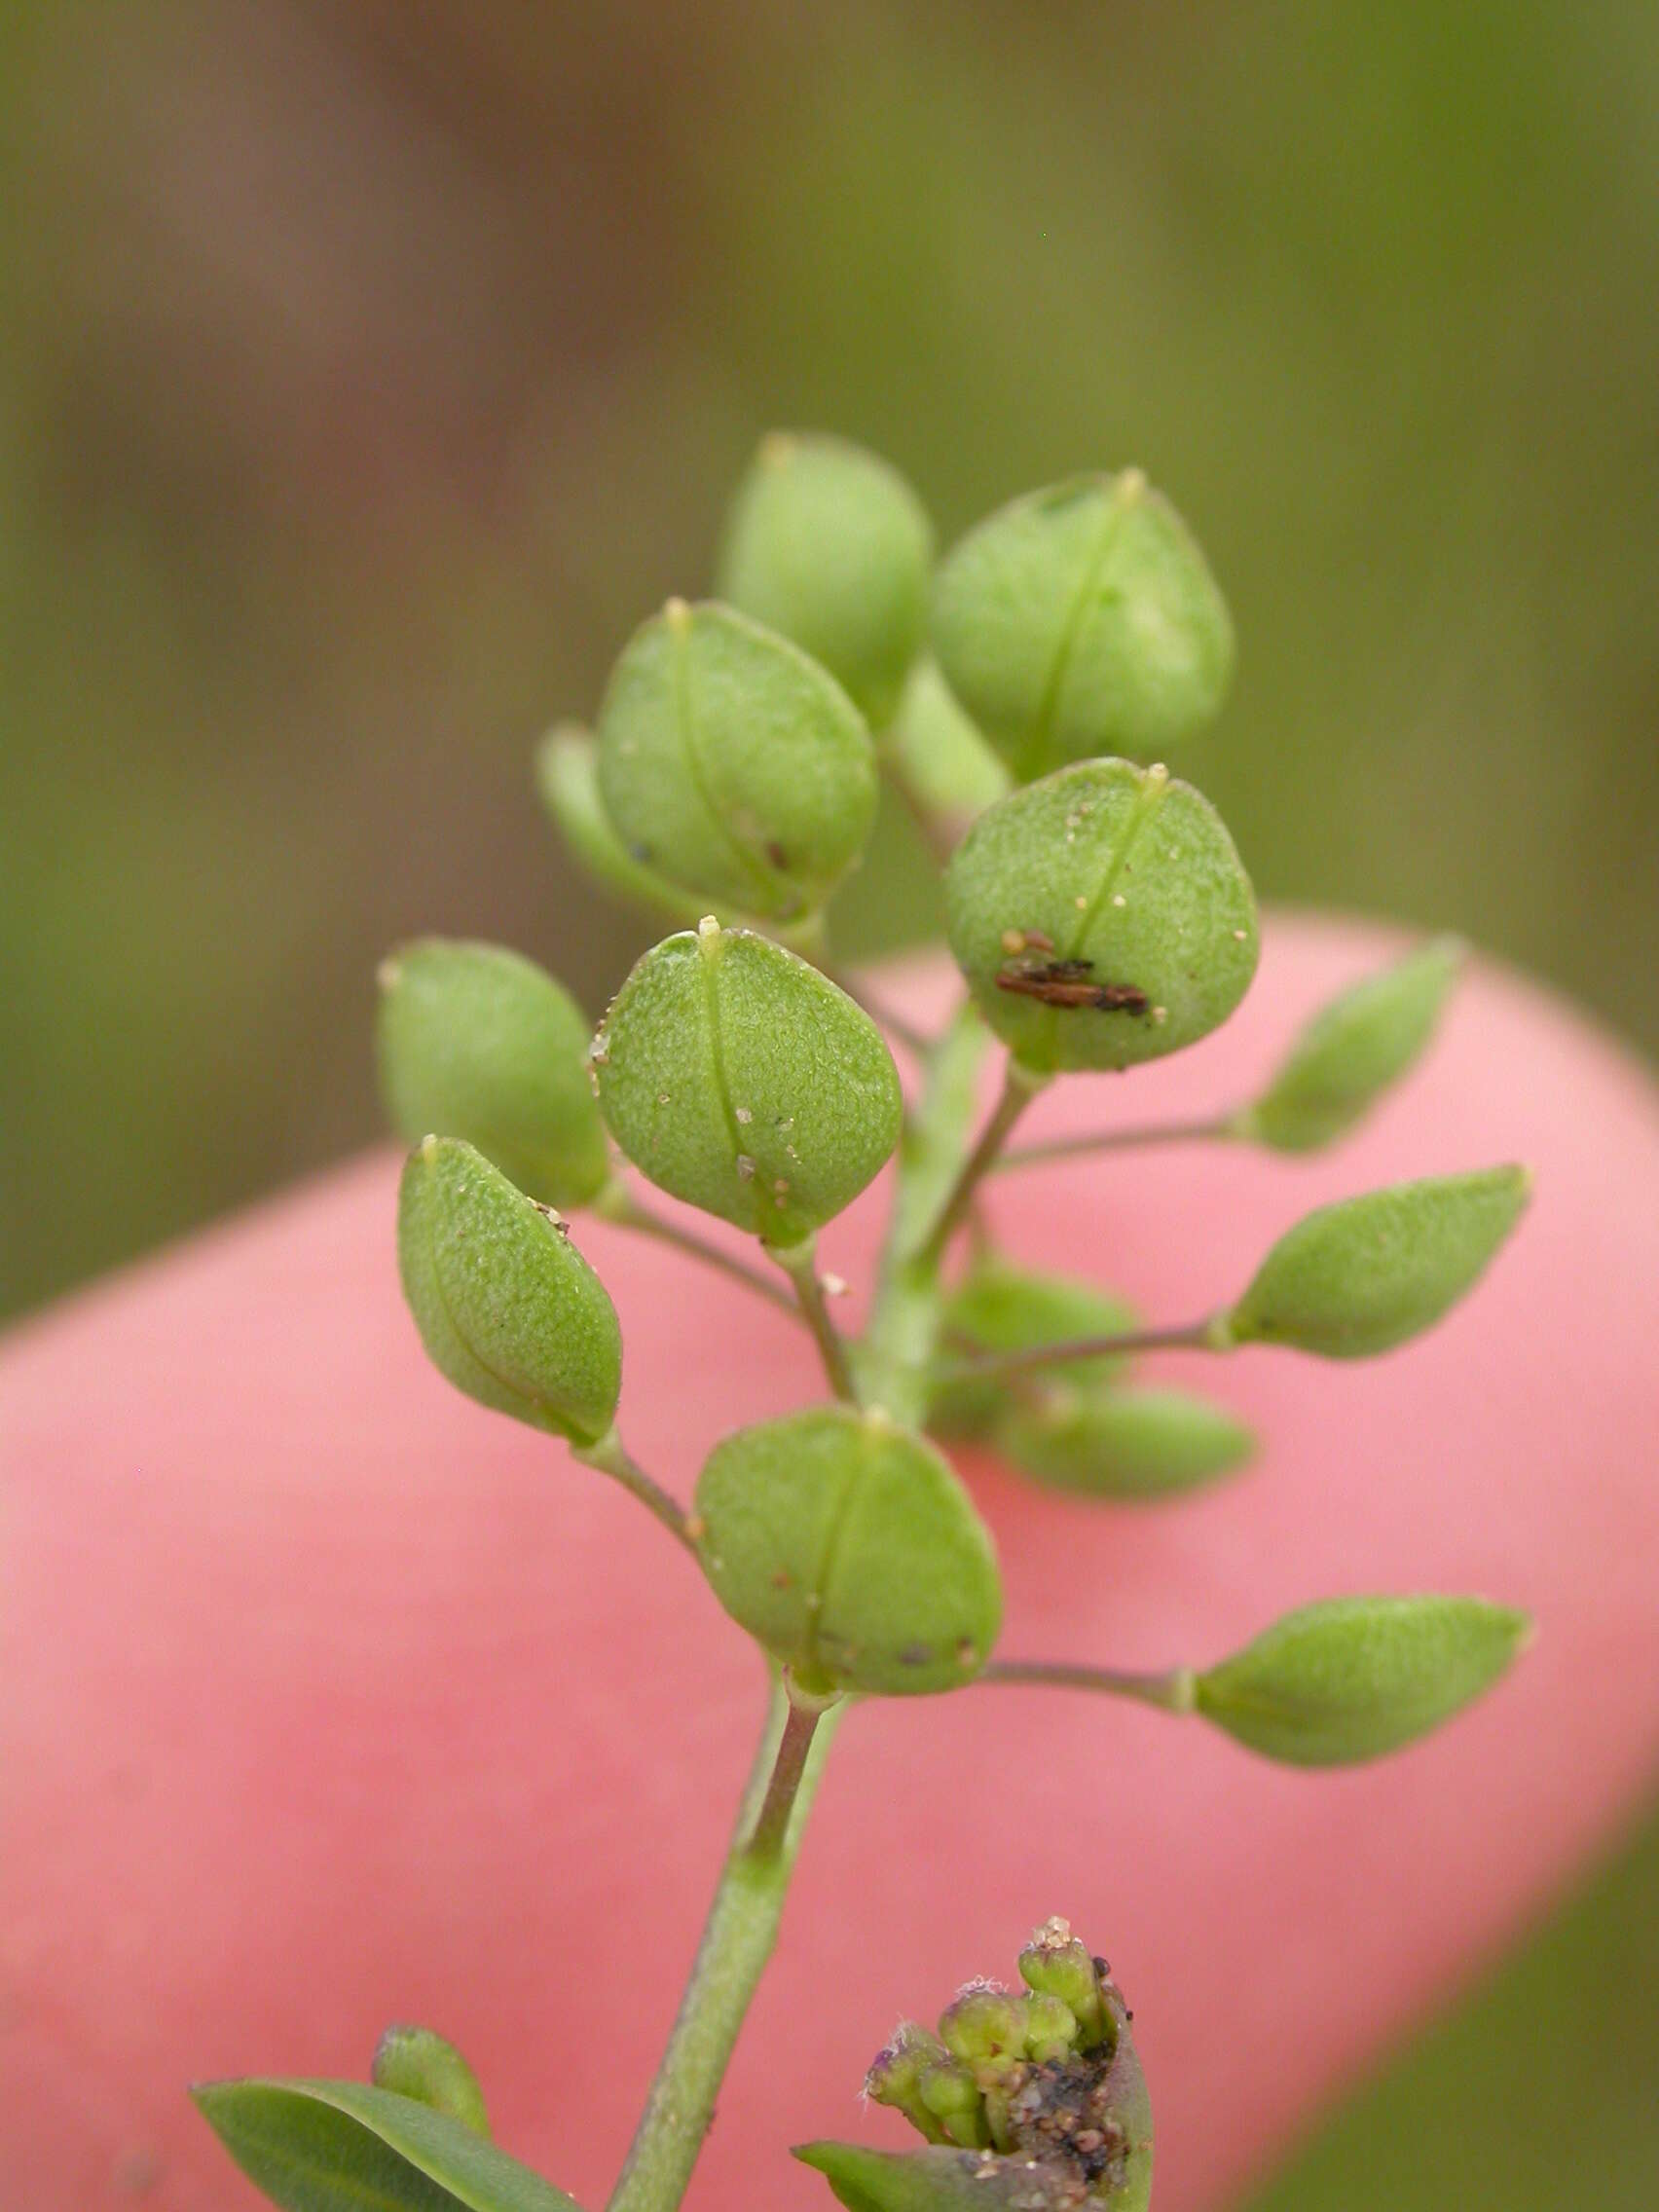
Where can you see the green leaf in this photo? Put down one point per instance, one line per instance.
(507, 1308)
(477, 1042)
(567, 775)
(1083, 620)
(1352, 1678)
(1352, 1049)
(937, 753)
(1123, 1443)
(848, 1548)
(738, 1078)
(829, 546)
(1368, 1273)
(1102, 917)
(339, 2147)
(935, 2180)
(417, 2063)
(730, 763)
(998, 1307)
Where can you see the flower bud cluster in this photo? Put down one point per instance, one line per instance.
(1043, 2076)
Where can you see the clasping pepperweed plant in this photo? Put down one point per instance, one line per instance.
(1017, 697)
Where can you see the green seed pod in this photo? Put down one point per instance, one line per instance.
(1122, 1443)
(567, 776)
(417, 2063)
(1083, 620)
(1367, 1273)
(737, 1077)
(998, 1307)
(477, 1042)
(849, 1549)
(1055, 1963)
(937, 753)
(506, 1306)
(1352, 1051)
(829, 546)
(1335, 1683)
(1102, 917)
(733, 764)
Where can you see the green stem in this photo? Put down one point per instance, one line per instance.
(798, 1262)
(1223, 1130)
(904, 1325)
(618, 1203)
(940, 832)
(1207, 1335)
(1173, 1691)
(612, 1457)
(1019, 1088)
(738, 1940)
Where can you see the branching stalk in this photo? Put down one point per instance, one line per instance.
(1173, 1691)
(737, 1941)
(612, 1457)
(1223, 1128)
(619, 1206)
(1019, 1089)
(1206, 1335)
(799, 1263)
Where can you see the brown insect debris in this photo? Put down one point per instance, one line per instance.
(1067, 984)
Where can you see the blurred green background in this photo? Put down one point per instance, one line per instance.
(372, 365)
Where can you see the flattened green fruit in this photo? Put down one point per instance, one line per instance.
(998, 1307)
(567, 776)
(507, 1308)
(738, 1078)
(937, 753)
(1352, 1049)
(847, 1547)
(477, 1042)
(1102, 917)
(732, 764)
(1349, 1679)
(1368, 1273)
(1123, 1443)
(1080, 620)
(828, 545)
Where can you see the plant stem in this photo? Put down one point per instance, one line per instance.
(1222, 1129)
(940, 832)
(612, 1457)
(904, 1325)
(994, 1366)
(1173, 1691)
(619, 1203)
(738, 1938)
(1019, 1089)
(798, 1262)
